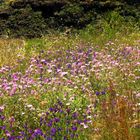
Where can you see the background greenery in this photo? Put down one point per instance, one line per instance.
(35, 18)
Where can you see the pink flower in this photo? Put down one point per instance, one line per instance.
(63, 73)
(12, 92)
(138, 95)
(8, 134)
(2, 107)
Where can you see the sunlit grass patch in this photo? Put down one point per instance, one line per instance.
(11, 50)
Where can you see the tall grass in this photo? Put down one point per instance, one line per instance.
(111, 26)
(11, 50)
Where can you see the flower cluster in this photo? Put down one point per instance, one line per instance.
(55, 95)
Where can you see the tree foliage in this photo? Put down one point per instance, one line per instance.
(32, 18)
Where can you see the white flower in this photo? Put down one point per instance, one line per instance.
(89, 117)
(84, 125)
(29, 106)
(22, 113)
(67, 104)
(49, 70)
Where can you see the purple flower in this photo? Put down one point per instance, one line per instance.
(59, 129)
(50, 123)
(51, 109)
(2, 117)
(47, 113)
(22, 133)
(61, 111)
(49, 138)
(68, 110)
(79, 121)
(53, 131)
(12, 138)
(75, 115)
(74, 128)
(3, 127)
(41, 121)
(69, 65)
(103, 92)
(72, 135)
(97, 93)
(56, 120)
(20, 137)
(86, 120)
(65, 138)
(38, 132)
(60, 103)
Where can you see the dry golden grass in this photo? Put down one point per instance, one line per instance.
(117, 120)
(11, 50)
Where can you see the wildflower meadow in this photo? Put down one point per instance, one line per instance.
(84, 86)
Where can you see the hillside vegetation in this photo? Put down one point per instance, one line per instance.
(35, 18)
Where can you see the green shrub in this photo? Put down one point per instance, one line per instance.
(70, 14)
(3, 27)
(27, 23)
(41, 15)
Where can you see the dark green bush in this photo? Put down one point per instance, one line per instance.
(32, 18)
(3, 27)
(71, 15)
(25, 22)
